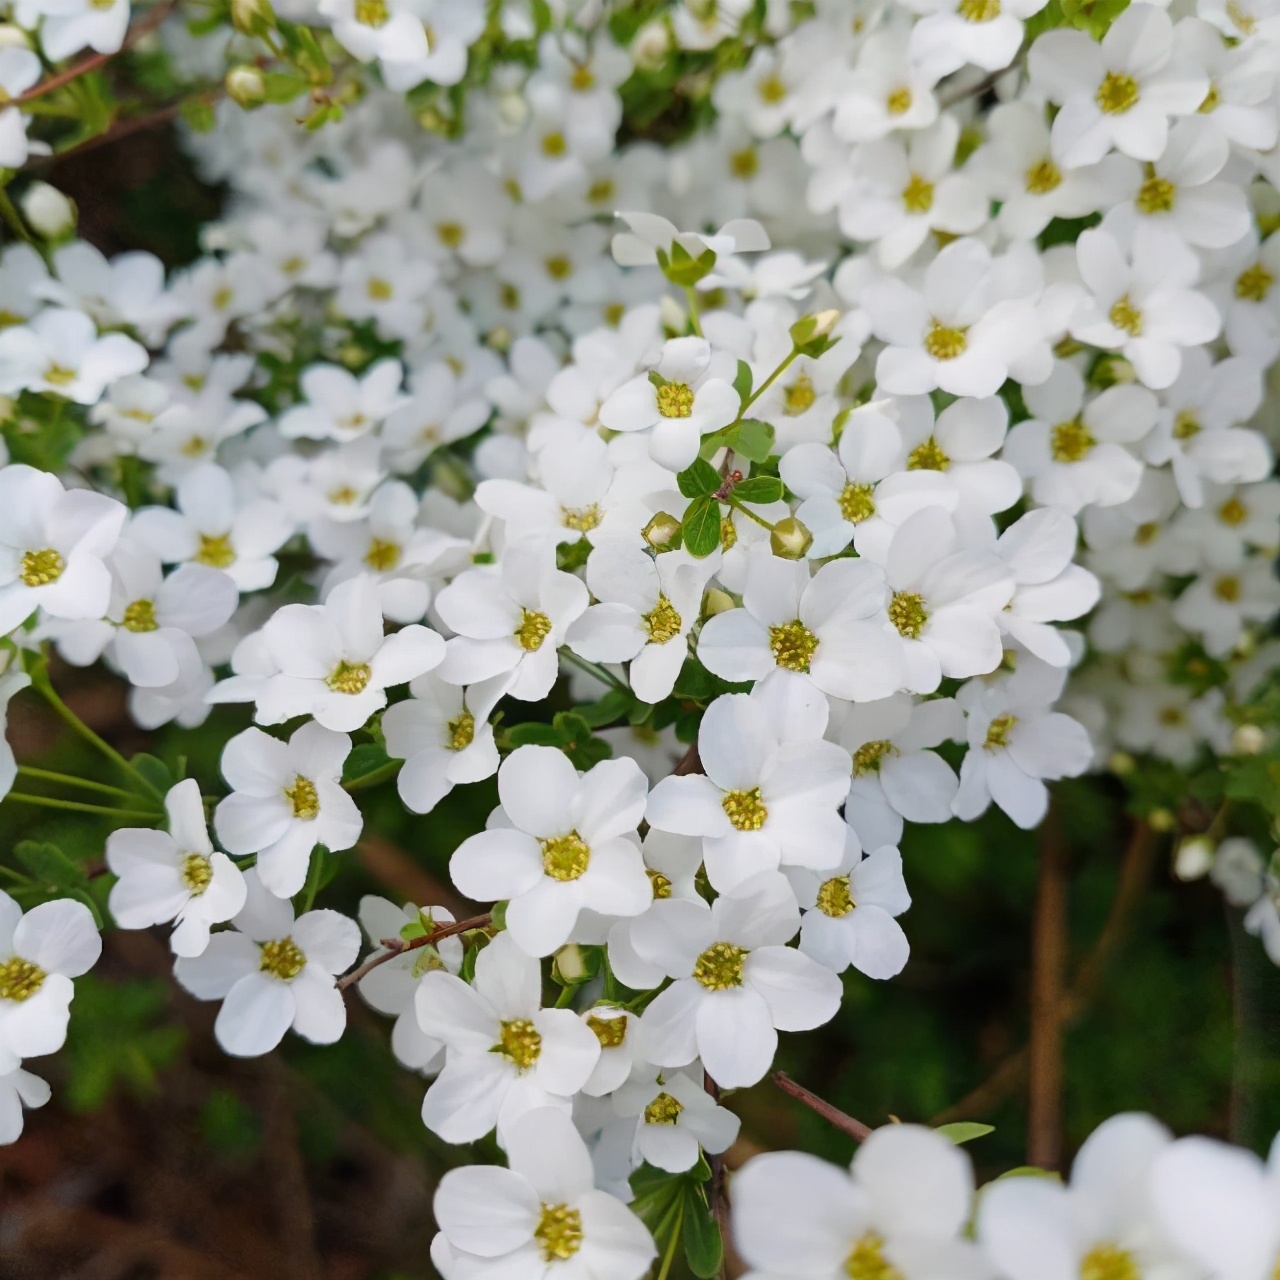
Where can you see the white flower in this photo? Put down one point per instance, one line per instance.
(830, 628)
(285, 799)
(19, 70)
(900, 1209)
(506, 1055)
(1238, 870)
(386, 29)
(60, 352)
(542, 1217)
(981, 33)
(676, 1118)
(443, 735)
(19, 1089)
(510, 619)
(12, 681)
(273, 972)
(40, 952)
(566, 849)
(176, 875)
(52, 546)
(691, 396)
(771, 789)
(342, 407)
(737, 983)
(651, 235)
(392, 987)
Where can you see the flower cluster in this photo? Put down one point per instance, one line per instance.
(783, 457)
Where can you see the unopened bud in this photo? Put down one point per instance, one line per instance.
(13, 37)
(1193, 858)
(253, 17)
(716, 601)
(48, 211)
(661, 532)
(650, 46)
(1161, 820)
(1121, 764)
(819, 325)
(246, 86)
(569, 966)
(1248, 739)
(790, 539)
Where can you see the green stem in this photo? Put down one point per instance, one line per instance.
(694, 323)
(374, 776)
(40, 682)
(565, 998)
(70, 780)
(751, 515)
(595, 669)
(11, 215)
(48, 802)
(674, 1242)
(312, 887)
(768, 382)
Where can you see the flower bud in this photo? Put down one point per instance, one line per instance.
(790, 539)
(13, 37)
(568, 966)
(716, 601)
(1122, 764)
(253, 17)
(661, 532)
(48, 211)
(246, 86)
(819, 325)
(1248, 739)
(1161, 820)
(650, 46)
(1193, 858)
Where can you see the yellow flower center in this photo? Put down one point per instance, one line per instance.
(553, 145)
(928, 456)
(565, 857)
(728, 533)
(664, 1109)
(719, 967)
(998, 731)
(744, 163)
(899, 101)
(771, 89)
(349, 677)
(1146, 533)
(451, 234)
(372, 13)
(1255, 283)
(223, 298)
(1244, 21)
(908, 614)
(140, 616)
(519, 1042)
(867, 1260)
(57, 375)
(1124, 315)
(197, 873)
(559, 1232)
(559, 267)
(1156, 195)
(917, 195)
(857, 502)
(834, 897)
(303, 797)
(462, 731)
(1043, 177)
(215, 551)
(675, 400)
(799, 396)
(379, 290)
(793, 645)
(867, 758)
(383, 555)
(1071, 441)
(745, 809)
(39, 568)
(945, 343)
(661, 884)
(20, 979)
(1227, 589)
(1186, 425)
(581, 80)
(581, 519)
(1233, 512)
(1107, 1262)
(1117, 93)
(282, 959)
(611, 1032)
(979, 10)
(662, 621)
(1212, 101)
(534, 628)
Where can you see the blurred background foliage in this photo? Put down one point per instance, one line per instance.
(160, 1157)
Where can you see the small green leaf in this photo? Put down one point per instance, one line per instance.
(533, 733)
(615, 705)
(753, 439)
(961, 1131)
(742, 381)
(572, 555)
(700, 1234)
(701, 526)
(366, 758)
(49, 865)
(759, 489)
(154, 770)
(698, 479)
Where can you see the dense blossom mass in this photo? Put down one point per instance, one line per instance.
(881, 445)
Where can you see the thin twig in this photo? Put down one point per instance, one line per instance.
(690, 762)
(1048, 965)
(718, 1190)
(123, 128)
(398, 946)
(142, 27)
(858, 1131)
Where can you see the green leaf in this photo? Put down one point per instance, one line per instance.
(753, 439)
(615, 705)
(572, 555)
(1029, 1171)
(701, 526)
(533, 733)
(366, 758)
(700, 1234)
(282, 88)
(759, 489)
(698, 479)
(154, 770)
(49, 866)
(961, 1131)
(742, 381)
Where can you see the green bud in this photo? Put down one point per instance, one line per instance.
(790, 539)
(662, 532)
(1248, 739)
(246, 86)
(716, 601)
(253, 17)
(569, 966)
(818, 325)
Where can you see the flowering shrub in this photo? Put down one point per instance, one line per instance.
(734, 431)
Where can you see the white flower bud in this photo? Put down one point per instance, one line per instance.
(246, 86)
(790, 539)
(1193, 858)
(716, 601)
(1248, 739)
(48, 211)
(12, 37)
(651, 45)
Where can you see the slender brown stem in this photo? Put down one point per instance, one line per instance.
(1048, 965)
(122, 129)
(690, 762)
(858, 1131)
(397, 946)
(148, 23)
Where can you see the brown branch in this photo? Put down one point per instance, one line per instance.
(123, 128)
(858, 1131)
(690, 762)
(153, 18)
(397, 946)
